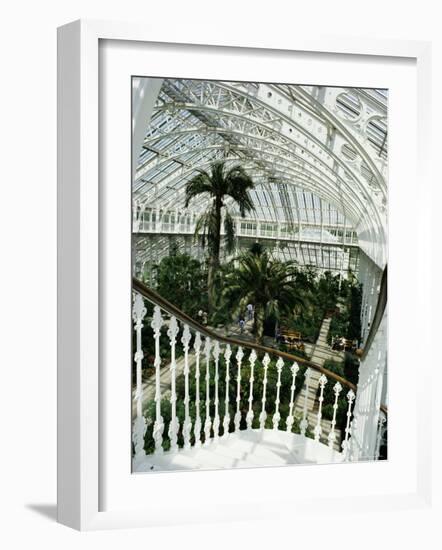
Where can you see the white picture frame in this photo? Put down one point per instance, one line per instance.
(80, 445)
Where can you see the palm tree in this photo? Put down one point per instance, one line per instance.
(218, 184)
(269, 284)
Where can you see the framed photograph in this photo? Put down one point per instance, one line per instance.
(227, 327)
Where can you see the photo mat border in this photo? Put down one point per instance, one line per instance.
(78, 329)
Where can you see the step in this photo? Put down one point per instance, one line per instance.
(244, 449)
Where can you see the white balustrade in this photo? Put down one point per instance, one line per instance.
(380, 435)
(216, 420)
(174, 423)
(226, 420)
(345, 445)
(318, 427)
(158, 428)
(237, 419)
(195, 429)
(304, 422)
(263, 414)
(249, 416)
(277, 417)
(290, 418)
(208, 421)
(337, 388)
(197, 426)
(187, 425)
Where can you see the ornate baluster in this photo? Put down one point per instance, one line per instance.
(249, 417)
(290, 418)
(304, 422)
(208, 422)
(337, 388)
(139, 428)
(187, 426)
(318, 427)
(277, 417)
(263, 414)
(226, 421)
(216, 420)
(158, 427)
(345, 445)
(380, 435)
(174, 423)
(197, 426)
(353, 447)
(237, 419)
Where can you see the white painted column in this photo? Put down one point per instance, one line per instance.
(337, 388)
(263, 414)
(304, 422)
(139, 428)
(187, 426)
(290, 418)
(237, 419)
(277, 417)
(226, 420)
(198, 425)
(158, 427)
(207, 422)
(216, 419)
(174, 424)
(318, 427)
(249, 417)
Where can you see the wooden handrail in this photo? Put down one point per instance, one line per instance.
(156, 298)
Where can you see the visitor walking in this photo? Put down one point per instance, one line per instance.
(241, 323)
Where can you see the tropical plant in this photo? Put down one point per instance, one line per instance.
(256, 248)
(268, 284)
(181, 280)
(218, 184)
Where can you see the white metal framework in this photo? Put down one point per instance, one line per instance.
(318, 154)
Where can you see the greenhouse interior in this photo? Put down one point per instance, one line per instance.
(259, 263)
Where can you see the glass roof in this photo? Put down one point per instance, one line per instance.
(318, 155)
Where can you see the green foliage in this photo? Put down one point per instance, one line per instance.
(354, 327)
(256, 249)
(338, 326)
(351, 368)
(308, 323)
(347, 323)
(268, 284)
(327, 291)
(182, 281)
(321, 294)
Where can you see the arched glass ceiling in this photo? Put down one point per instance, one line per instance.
(316, 153)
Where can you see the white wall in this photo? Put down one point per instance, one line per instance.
(28, 277)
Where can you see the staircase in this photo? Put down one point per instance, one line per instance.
(197, 440)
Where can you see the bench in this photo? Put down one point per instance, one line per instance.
(291, 338)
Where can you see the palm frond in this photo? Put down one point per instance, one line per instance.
(229, 231)
(198, 185)
(205, 228)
